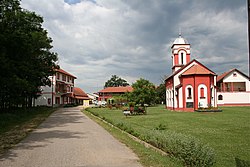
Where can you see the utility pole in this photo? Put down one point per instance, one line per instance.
(248, 11)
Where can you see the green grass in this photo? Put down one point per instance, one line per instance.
(16, 124)
(148, 157)
(227, 132)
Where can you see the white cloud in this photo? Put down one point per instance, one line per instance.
(132, 39)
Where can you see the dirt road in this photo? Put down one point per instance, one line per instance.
(66, 139)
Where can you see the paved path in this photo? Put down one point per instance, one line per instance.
(66, 139)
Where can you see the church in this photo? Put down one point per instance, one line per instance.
(191, 85)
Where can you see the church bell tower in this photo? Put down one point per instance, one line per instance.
(180, 53)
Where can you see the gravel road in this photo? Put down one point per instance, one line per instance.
(67, 139)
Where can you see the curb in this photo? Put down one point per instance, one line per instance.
(133, 137)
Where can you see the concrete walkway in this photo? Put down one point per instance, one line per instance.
(66, 139)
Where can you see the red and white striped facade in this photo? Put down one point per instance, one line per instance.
(191, 84)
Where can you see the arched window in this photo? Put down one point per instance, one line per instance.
(220, 97)
(189, 95)
(182, 57)
(202, 93)
(182, 62)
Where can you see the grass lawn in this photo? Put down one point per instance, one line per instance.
(16, 124)
(148, 157)
(227, 132)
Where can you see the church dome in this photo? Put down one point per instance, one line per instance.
(180, 40)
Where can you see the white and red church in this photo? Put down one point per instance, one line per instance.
(191, 85)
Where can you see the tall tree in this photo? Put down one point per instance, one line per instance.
(144, 92)
(25, 53)
(116, 81)
(161, 94)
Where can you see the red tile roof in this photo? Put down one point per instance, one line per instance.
(65, 72)
(117, 89)
(197, 69)
(79, 92)
(194, 60)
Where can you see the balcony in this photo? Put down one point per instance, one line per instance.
(62, 88)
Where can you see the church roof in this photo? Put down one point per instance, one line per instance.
(194, 70)
(180, 40)
(197, 69)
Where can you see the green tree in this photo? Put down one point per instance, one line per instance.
(115, 81)
(25, 55)
(161, 94)
(144, 92)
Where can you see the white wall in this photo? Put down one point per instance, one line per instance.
(202, 101)
(238, 78)
(180, 98)
(43, 100)
(234, 97)
(169, 97)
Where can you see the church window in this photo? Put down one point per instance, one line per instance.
(202, 93)
(182, 58)
(234, 74)
(220, 97)
(189, 93)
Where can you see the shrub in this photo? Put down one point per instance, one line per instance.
(186, 148)
(241, 163)
(161, 127)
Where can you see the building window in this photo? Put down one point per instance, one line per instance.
(239, 86)
(68, 79)
(235, 86)
(189, 95)
(202, 93)
(234, 74)
(64, 77)
(182, 58)
(220, 97)
(189, 104)
(57, 100)
(58, 76)
(49, 101)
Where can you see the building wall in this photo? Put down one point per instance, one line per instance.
(234, 98)
(85, 103)
(169, 93)
(44, 100)
(196, 82)
(237, 78)
(52, 91)
(179, 102)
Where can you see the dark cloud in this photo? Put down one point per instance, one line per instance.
(132, 39)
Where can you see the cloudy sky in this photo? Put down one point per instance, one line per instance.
(132, 38)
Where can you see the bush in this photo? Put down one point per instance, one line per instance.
(186, 148)
(241, 163)
(161, 127)
(70, 105)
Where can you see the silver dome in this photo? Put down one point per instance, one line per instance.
(180, 40)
